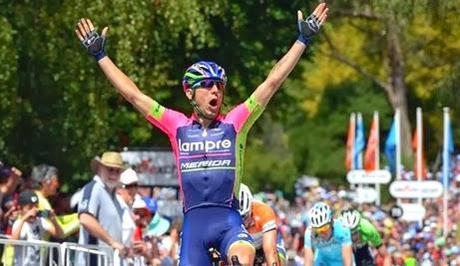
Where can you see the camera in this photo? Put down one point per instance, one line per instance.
(43, 213)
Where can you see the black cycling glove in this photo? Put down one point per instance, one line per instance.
(95, 45)
(308, 28)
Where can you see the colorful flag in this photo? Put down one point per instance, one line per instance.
(372, 148)
(359, 143)
(416, 162)
(450, 145)
(390, 147)
(349, 164)
(448, 150)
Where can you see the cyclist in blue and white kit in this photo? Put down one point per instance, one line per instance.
(327, 241)
(208, 146)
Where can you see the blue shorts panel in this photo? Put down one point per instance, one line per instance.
(235, 234)
(209, 227)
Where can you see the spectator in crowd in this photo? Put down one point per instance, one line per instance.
(125, 195)
(10, 212)
(144, 246)
(158, 226)
(45, 181)
(9, 180)
(169, 244)
(31, 225)
(99, 211)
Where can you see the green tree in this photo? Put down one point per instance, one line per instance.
(9, 100)
(65, 112)
(403, 47)
(318, 142)
(269, 163)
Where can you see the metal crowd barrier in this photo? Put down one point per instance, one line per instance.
(63, 254)
(53, 251)
(104, 256)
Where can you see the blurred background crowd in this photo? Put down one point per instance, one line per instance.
(157, 216)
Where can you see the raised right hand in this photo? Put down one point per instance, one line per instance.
(90, 39)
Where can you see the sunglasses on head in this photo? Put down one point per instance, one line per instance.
(208, 84)
(322, 229)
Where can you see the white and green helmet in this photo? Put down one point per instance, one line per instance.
(351, 218)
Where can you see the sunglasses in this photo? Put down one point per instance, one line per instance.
(135, 185)
(323, 229)
(113, 170)
(208, 84)
(142, 212)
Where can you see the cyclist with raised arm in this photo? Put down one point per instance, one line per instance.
(364, 235)
(260, 221)
(327, 241)
(208, 146)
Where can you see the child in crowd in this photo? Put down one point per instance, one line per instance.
(31, 225)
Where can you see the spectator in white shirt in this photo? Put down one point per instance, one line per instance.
(125, 195)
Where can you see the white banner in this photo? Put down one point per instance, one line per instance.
(365, 195)
(415, 189)
(371, 177)
(412, 212)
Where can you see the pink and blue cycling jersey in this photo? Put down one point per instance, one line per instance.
(209, 160)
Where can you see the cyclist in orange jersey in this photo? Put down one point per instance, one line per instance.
(260, 221)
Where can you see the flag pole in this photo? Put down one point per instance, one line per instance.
(359, 124)
(398, 148)
(445, 168)
(353, 121)
(351, 146)
(377, 154)
(398, 144)
(419, 147)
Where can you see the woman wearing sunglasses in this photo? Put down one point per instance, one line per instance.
(327, 241)
(208, 145)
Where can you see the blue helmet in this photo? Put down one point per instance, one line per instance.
(203, 70)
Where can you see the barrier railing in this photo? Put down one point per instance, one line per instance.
(42, 253)
(31, 252)
(102, 255)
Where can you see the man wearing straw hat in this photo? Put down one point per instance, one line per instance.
(99, 211)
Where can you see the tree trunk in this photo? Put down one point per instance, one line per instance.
(398, 90)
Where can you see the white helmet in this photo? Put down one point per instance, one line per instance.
(320, 214)
(351, 218)
(245, 199)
